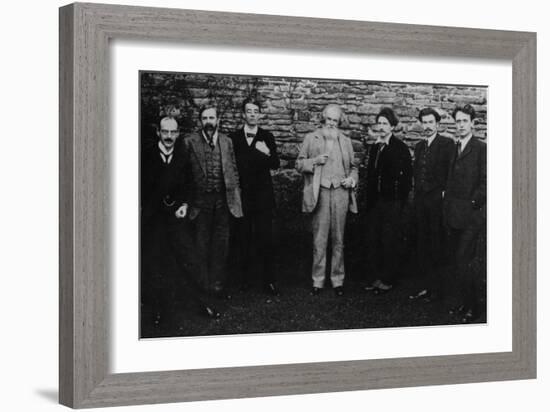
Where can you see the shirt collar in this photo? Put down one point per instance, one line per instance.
(164, 150)
(384, 141)
(465, 141)
(248, 129)
(430, 140)
(214, 137)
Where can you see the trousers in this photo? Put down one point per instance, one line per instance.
(211, 229)
(329, 219)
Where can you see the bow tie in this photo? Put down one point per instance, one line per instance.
(250, 135)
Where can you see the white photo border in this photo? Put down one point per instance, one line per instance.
(129, 354)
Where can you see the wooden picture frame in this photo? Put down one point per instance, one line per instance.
(85, 31)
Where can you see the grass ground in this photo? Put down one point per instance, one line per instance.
(296, 310)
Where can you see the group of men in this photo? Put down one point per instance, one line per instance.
(450, 190)
(210, 187)
(196, 196)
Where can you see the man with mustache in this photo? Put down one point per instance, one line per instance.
(388, 182)
(432, 158)
(328, 165)
(465, 210)
(256, 155)
(214, 198)
(165, 242)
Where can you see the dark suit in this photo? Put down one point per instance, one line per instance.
(388, 183)
(164, 242)
(211, 207)
(465, 213)
(430, 168)
(255, 228)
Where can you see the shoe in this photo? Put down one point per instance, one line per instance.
(456, 310)
(272, 290)
(210, 312)
(468, 317)
(315, 291)
(423, 294)
(339, 291)
(379, 287)
(157, 319)
(384, 287)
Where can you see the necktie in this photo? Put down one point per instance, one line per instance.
(458, 148)
(166, 157)
(210, 141)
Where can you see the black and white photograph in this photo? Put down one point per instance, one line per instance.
(276, 206)
(280, 204)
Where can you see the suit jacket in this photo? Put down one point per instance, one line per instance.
(313, 146)
(391, 177)
(254, 170)
(441, 153)
(466, 194)
(196, 173)
(163, 185)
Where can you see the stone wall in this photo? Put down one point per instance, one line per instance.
(292, 108)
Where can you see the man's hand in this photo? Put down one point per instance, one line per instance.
(321, 159)
(182, 211)
(348, 182)
(262, 147)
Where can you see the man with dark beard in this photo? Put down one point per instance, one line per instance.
(214, 197)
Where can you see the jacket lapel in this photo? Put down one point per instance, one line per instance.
(467, 149)
(198, 149)
(224, 150)
(388, 151)
(318, 149)
(242, 138)
(422, 145)
(436, 144)
(257, 138)
(346, 161)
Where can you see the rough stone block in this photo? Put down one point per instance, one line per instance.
(369, 108)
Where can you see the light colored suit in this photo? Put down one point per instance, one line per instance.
(313, 146)
(329, 205)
